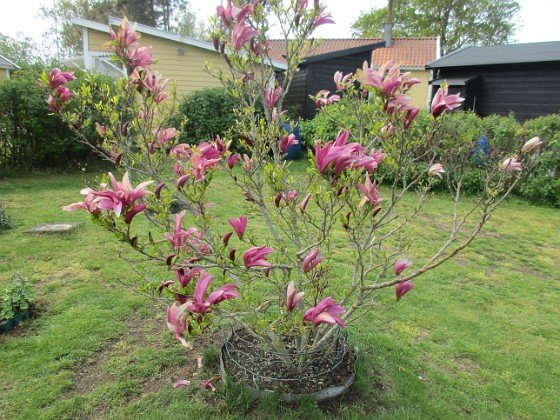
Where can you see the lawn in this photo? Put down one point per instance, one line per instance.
(479, 338)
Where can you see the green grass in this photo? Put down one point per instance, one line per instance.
(479, 337)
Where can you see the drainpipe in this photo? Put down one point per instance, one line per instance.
(388, 33)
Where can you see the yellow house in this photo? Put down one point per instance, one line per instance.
(6, 66)
(180, 58)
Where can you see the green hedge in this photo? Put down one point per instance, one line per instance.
(30, 137)
(208, 113)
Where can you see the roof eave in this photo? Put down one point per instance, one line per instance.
(342, 53)
(159, 34)
(15, 66)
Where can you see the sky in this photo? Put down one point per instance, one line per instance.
(538, 18)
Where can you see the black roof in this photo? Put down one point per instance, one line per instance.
(343, 53)
(500, 54)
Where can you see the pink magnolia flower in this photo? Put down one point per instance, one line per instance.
(227, 13)
(436, 169)
(127, 34)
(399, 103)
(304, 202)
(443, 102)
(88, 204)
(58, 78)
(292, 297)
(208, 384)
(226, 237)
(287, 141)
(511, 164)
(322, 18)
(232, 12)
(326, 311)
(164, 285)
(220, 146)
(177, 322)
(184, 275)
(276, 116)
(402, 264)
(241, 34)
(182, 151)
(162, 137)
(180, 236)
(271, 96)
(531, 144)
(411, 114)
(341, 81)
(232, 160)
(370, 191)
(202, 158)
(129, 215)
(291, 196)
(100, 129)
(256, 257)
(378, 155)
(247, 163)
(155, 85)
(140, 57)
(59, 97)
(340, 153)
(408, 84)
(183, 179)
(311, 260)
(239, 225)
(124, 194)
(323, 99)
(403, 288)
(200, 306)
(184, 382)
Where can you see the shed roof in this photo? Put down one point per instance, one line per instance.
(500, 54)
(407, 52)
(8, 64)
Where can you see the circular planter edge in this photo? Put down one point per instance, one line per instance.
(324, 394)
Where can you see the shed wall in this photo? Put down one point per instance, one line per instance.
(320, 76)
(527, 90)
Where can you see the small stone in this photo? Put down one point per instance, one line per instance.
(54, 227)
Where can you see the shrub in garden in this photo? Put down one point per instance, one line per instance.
(30, 138)
(462, 129)
(208, 113)
(276, 286)
(15, 301)
(543, 185)
(5, 221)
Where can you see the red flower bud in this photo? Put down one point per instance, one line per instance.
(158, 189)
(226, 238)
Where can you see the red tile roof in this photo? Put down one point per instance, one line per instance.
(407, 52)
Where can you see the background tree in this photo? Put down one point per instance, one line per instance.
(189, 25)
(457, 22)
(163, 14)
(22, 50)
(62, 32)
